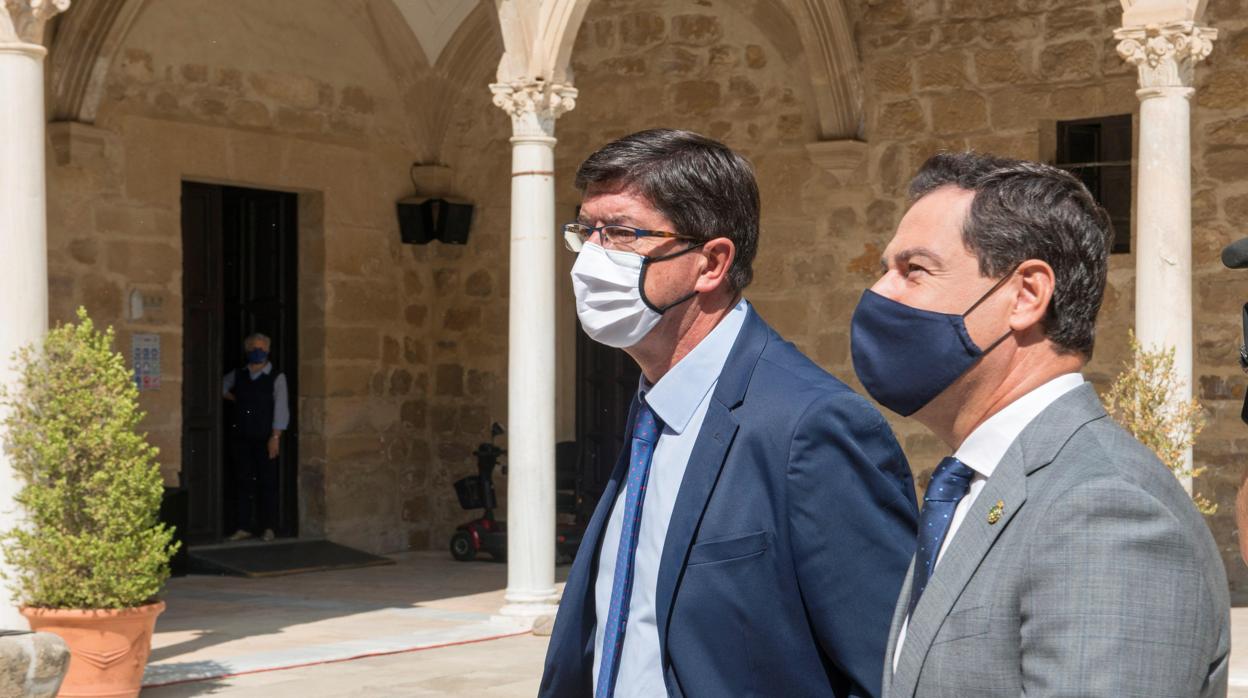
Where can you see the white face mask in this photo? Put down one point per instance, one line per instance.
(610, 300)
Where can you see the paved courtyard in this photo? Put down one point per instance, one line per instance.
(423, 627)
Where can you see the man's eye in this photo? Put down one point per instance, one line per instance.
(912, 269)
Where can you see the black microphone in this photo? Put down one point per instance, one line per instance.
(1235, 255)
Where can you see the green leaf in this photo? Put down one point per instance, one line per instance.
(90, 483)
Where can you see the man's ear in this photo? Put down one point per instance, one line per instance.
(717, 256)
(1035, 294)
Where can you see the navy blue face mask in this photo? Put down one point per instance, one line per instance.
(905, 356)
(257, 356)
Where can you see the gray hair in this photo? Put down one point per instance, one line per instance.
(705, 189)
(257, 336)
(1025, 210)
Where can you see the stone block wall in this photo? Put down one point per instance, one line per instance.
(404, 349)
(1219, 198)
(937, 74)
(398, 374)
(995, 76)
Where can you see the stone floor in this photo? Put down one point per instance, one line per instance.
(224, 626)
(509, 667)
(423, 627)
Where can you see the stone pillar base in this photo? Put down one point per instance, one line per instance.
(527, 608)
(32, 664)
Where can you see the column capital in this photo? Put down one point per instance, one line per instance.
(534, 106)
(1165, 54)
(22, 21)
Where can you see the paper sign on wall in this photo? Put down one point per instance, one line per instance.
(145, 353)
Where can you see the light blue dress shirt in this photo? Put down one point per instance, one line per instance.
(281, 405)
(680, 399)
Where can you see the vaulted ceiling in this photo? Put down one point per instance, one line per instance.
(434, 22)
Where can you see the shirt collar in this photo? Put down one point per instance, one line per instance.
(983, 448)
(675, 398)
(267, 368)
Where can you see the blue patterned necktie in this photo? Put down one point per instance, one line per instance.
(646, 429)
(949, 485)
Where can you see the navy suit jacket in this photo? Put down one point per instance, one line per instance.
(790, 537)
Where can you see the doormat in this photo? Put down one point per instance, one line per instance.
(259, 559)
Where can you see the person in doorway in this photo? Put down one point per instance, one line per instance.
(1057, 556)
(755, 531)
(262, 413)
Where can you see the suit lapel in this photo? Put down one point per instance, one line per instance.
(1036, 447)
(705, 464)
(719, 428)
(580, 586)
(970, 544)
(894, 629)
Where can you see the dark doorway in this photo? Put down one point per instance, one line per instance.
(606, 380)
(239, 276)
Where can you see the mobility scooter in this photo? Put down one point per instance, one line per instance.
(485, 533)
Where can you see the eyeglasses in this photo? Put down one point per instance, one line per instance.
(575, 235)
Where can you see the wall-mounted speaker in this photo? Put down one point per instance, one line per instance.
(416, 222)
(422, 221)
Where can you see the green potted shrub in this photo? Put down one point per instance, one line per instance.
(1144, 400)
(90, 556)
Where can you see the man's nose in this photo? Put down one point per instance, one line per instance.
(595, 236)
(888, 285)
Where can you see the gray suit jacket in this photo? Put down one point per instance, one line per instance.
(1099, 578)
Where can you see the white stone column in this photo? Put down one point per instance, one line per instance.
(23, 213)
(533, 108)
(1166, 56)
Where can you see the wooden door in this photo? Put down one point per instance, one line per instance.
(606, 380)
(202, 324)
(239, 276)
(260, 292)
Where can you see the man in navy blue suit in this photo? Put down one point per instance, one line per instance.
(753, 537)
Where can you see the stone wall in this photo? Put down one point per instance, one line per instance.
(939, 74)
(404, 348)
(1219, 208)
(387, 408)
(995, 76)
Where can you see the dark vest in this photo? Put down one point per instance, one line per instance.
(253, 401)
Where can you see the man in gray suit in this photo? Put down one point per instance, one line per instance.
(1057, 556)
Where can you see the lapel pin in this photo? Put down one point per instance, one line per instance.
(994, 514)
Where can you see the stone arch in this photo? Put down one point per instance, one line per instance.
(819, 34)
(87, 39)
(83, 45)
(463, 67)
(538, 36)
(832, 58)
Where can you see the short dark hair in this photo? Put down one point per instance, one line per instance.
(1025, 210)
(705, 189)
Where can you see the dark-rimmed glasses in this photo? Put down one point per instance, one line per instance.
(575, 235)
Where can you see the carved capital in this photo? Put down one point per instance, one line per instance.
(534, 106)
(1165, 54)
(22, 21)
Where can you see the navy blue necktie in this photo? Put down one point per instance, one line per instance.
(949, 485)
(646, 430)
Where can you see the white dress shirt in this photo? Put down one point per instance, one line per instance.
(680, 399)
(983, 449)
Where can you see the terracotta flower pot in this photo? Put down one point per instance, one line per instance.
(108, 648)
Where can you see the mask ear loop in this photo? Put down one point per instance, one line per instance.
(641, 283)
(1001, 282)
